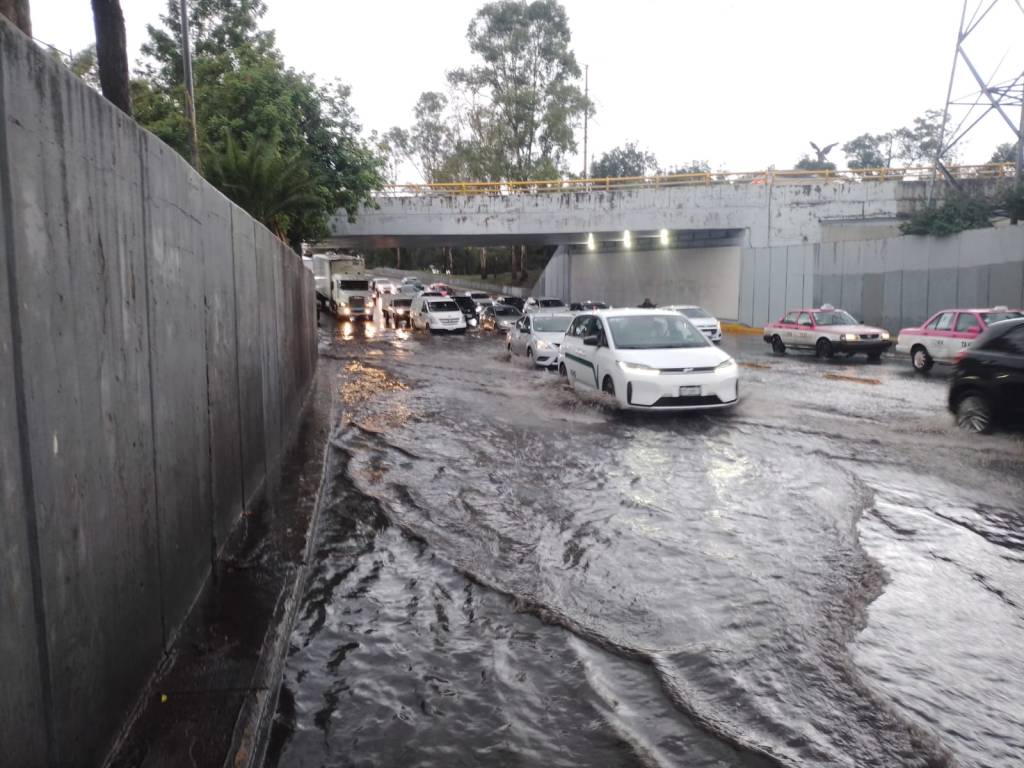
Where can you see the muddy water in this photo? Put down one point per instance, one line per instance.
(508, 574)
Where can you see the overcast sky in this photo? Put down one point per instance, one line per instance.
(743, 84)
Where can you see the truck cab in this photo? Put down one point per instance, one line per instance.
(352, 296)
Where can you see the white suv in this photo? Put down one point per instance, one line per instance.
(648, 359)
(437, 313)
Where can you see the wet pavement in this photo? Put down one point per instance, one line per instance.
(509, 574)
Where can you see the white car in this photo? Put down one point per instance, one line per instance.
(480, 298)
(538, 337)
(381, 286)
(395, 308)
(701, 318)
(437, 313)
(648, 359)
(544, 304)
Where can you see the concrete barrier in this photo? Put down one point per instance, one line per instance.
(155, 347)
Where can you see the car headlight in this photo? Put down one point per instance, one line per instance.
(541, 344)
(637, 368)
(342, 303)
(884, 336)
(848, 337)
(725, 365)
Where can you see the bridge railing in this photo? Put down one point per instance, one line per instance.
(709, 178)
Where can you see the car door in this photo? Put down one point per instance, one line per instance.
(571, 344)
(966, 330)
(521, 336)
(803, 333)
(941, 343)
(584, 355)
(788, 327)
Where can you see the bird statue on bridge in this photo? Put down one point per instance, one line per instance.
(823, 153)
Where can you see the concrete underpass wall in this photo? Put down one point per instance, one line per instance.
(706, 276)
(155, 347)
(891, 282)
(899, 282)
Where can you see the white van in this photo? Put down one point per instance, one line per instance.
(437, 313)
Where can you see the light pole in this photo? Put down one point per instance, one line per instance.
(190, 101)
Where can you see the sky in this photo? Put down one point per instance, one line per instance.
(741, 84)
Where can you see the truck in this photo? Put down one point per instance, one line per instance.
(342, 285)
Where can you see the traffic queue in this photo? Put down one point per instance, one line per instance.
(668, 358)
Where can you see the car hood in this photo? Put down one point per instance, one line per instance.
(554, 337)
(704, 322)
(694, 357)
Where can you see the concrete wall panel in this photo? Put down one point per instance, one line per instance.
(23, 713)
(777, 259)
(873, 296)
(942, 287)
(915, 296)
(892, 301)
(852, 293)
(215, 253)
(174, 215)
(795, 262)
(267, 275)
(79, 274)
(250, 352)
(747, 269)
(1006, 284)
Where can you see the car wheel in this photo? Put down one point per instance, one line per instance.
(529, 354)
(920, 359)
(824, 348)
(777, 346)
(608, 386)
(561, 370)
(973, 414)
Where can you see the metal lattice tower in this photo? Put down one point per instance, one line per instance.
(1004, 97)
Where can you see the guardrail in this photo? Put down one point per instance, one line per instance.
(710, 178)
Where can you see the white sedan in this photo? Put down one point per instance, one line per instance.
(701, 318)
(538, 337)
(648, 359)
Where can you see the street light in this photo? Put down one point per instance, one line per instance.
(590, 241)
(663, 236)
(627, 239)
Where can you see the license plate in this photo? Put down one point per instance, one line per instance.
(689, 391)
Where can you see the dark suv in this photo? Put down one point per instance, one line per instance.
(988, 382)
(468, 307)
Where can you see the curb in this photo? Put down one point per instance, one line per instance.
(739, 328)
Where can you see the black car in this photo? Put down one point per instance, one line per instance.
(988, 382)
(587, 306)
(513, 301)
(468, 307)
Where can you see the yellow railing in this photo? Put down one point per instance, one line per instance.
(773, 177)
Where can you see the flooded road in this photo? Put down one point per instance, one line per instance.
(509, 574)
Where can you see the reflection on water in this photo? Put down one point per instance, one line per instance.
(508, 574)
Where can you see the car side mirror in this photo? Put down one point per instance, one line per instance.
(594, 340)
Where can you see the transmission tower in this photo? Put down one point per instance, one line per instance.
(998, 94)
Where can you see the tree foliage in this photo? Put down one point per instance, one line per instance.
(246, 94)
(870, 150)
(919, 143)
(1005, 153)
(511, 116)
(627, 160)
(806, 163)
(956, 213)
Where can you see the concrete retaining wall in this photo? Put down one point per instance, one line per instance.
(155, 346)
(706, 276)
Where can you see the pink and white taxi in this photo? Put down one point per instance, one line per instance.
(946, 333)
(826, 330)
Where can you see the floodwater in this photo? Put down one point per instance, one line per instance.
(509, 574)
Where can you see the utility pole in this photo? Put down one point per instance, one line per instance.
(1020, 140)
(586, 113)
(190, 97)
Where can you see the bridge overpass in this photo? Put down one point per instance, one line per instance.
(744, 245)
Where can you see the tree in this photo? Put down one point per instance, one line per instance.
(1005, 153)
(273, 188)
(919, 143)
(520, 106)
(806, 163)
(870, 150)
(627, 160)
(112, 53)
(18, 12)
(245, 91)
(957, 213)
(694, 166)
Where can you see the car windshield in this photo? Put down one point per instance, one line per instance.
(480, 296)
(998, 317)
(833, 317)
(693, 312)
(552, 324)
(355, 285)
(443, 306)
(550, 303)
(465, 303)
(402, 303)
(655, 332)
(502, 309)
